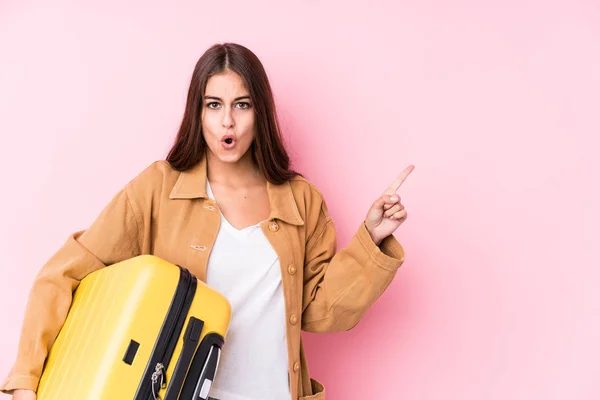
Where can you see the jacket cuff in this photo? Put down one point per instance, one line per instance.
(388, 255)
(14, 382)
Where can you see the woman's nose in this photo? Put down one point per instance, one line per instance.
(227, 118)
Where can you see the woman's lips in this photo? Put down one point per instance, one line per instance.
(228, 142)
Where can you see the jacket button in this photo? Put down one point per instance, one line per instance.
(292, 269)
(293, 319)
(296, 367)
(274, 226)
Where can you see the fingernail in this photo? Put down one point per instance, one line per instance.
(394, 198)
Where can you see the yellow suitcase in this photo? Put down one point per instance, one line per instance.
(141, 329)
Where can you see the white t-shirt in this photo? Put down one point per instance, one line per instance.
(254, 362)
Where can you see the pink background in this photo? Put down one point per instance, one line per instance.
(496, 104)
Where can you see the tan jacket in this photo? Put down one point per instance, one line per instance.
(168, 213)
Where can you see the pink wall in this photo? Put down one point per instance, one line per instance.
(496, 104)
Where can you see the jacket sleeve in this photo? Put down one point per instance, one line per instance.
(115, 235)
(339, 287)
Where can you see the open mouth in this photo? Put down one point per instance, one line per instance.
(228, 141)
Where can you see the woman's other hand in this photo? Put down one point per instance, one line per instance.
(23, 394)
(387, 212)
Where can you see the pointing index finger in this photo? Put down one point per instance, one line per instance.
(400, 179)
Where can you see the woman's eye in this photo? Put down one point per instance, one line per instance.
(243, 105)
(212, 105)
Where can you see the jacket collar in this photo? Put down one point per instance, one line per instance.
(191, 184)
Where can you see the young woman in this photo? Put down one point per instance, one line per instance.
(227, 206)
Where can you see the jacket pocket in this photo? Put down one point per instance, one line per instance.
(318, 390)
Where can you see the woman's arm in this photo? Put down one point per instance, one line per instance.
(339, 287)
(114, 236)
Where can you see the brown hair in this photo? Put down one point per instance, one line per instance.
(268, 150)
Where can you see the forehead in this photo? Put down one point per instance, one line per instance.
(225, 85)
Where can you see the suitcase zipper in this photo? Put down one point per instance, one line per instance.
(167, 338)
(158, 372)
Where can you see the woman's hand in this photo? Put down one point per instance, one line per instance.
(23, 394)
(387, 212)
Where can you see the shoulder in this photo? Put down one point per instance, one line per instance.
(309, 198)
(154, 174)
(302, 186)
(153, 179)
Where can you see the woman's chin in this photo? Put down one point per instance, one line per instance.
(230, 159)
(229, 156)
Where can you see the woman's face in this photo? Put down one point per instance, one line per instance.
(228, 122)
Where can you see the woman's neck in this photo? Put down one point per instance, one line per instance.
(242, 173)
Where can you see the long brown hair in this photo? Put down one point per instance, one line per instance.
(268, 150)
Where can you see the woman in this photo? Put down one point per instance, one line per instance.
(227, 185)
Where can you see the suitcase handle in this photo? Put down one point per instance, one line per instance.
(208, 373)
(203, 368)
(190, 344)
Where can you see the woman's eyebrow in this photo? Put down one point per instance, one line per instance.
(218, 98)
